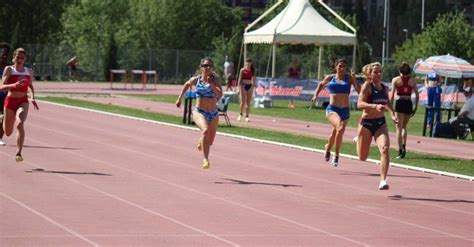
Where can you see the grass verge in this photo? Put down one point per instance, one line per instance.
(302, 112)
(440, 163)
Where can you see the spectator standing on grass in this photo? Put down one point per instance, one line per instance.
(72, 68)
(404, 86)
(433, 91)
(245, 85)
(4, 53)
(294, 73)
(228, 73)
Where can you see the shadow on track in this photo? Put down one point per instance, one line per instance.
(39, 170)
(242, 182)
(400, 197)
(376, 175)
(46, 147)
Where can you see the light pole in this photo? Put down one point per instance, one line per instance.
(406, 33)
(384, 35)
(422, 14)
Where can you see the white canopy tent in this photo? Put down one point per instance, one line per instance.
(299, 23)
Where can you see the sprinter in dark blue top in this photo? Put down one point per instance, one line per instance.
(373, 101)
(205, 115)
(337, 112)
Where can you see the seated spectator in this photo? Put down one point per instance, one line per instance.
(294, 71)
(466, 114)
(467, 83)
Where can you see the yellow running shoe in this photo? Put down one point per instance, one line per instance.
(206, 165)
(18, 158)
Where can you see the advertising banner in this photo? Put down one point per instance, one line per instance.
(292, 89)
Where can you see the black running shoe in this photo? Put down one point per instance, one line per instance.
(327, 156)
(401, 154)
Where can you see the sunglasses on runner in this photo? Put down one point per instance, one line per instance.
(207, 66)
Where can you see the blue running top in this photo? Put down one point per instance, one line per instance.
(343, 86)
(204, 90)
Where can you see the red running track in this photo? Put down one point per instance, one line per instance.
(91, 179)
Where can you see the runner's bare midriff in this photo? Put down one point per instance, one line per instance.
(206, 104)
(246, 82)
(16, 94)
(372, 113)
(339, 100)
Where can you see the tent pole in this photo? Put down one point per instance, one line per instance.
(273, 60)
(319, 61)
(354, 58)
(245, 52)
(354, 55)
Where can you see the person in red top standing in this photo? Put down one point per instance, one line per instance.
(17, 79)
(404, 86)
(246, 84)
(4, 54)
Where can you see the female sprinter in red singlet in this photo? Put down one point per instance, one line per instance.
(17, 79)
(404, 85)
(246, 84)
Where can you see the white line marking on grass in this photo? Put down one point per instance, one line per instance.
(393, 164)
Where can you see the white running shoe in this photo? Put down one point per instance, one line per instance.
(247, 119)
(383, 185)
(2, 143)
(355, 139)
(335, 161)
(239, 118)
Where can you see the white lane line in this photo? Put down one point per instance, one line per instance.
(189, 189)
(49, 219)
(221, 235)
(166, 145)
(167, 160)
(226, 175)
(222, 174)
(124, 201)
(378, 215)
(408, 167)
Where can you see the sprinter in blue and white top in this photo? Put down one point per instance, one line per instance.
(205, 115)
(374, 101)
(337, 112)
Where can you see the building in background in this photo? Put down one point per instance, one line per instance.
(373, 8)
(467, 6)
(252, 8)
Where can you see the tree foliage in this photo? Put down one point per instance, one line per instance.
(450, 33)
(31, 22)
(128, 29)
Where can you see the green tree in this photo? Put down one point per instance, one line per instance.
(30, 21)
(450, 33)
(94, 28)
(190, 24)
